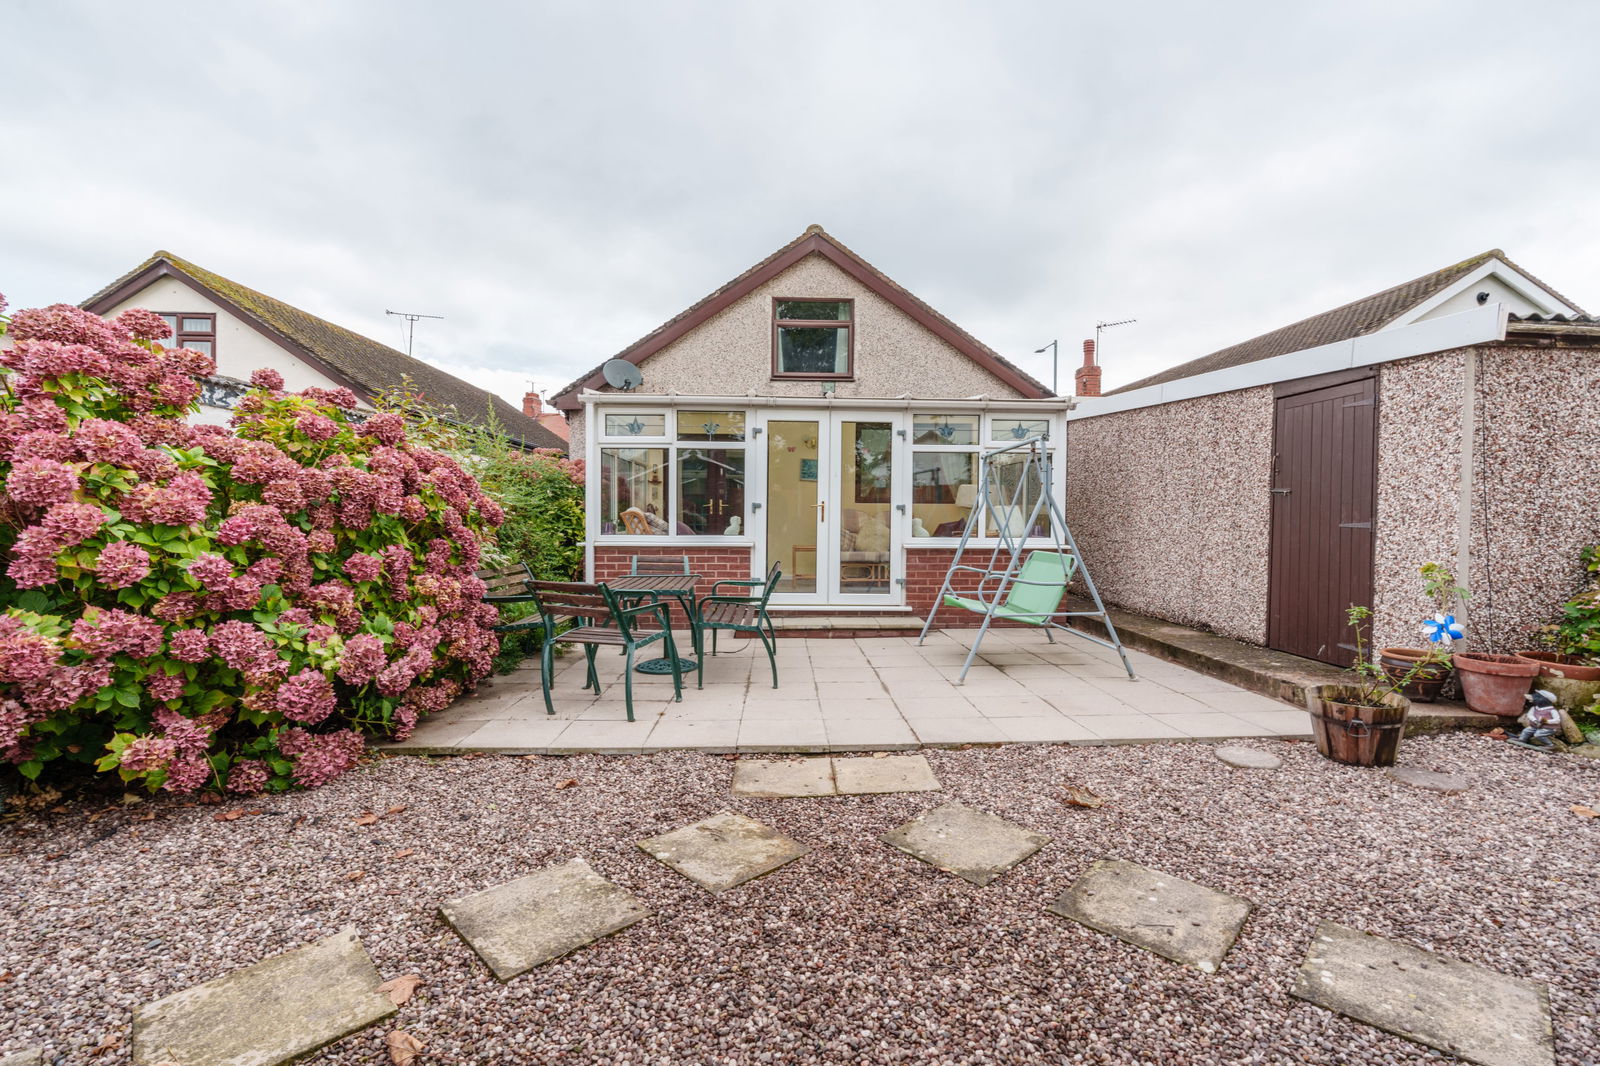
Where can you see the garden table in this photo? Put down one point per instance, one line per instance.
(654, 586)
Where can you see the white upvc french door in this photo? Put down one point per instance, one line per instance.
(834, 490)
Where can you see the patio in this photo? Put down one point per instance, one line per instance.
(865, 694)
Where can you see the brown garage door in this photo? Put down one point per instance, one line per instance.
(1324, 478)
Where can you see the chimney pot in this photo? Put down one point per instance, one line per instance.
(1086, 380)
(532, 406)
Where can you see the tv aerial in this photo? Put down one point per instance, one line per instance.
(622, 375)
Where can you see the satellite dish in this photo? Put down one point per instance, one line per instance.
(621, 374)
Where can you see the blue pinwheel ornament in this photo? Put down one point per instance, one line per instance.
(1442, 628)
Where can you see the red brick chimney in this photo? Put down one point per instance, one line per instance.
(1086, 380)
(532, 406)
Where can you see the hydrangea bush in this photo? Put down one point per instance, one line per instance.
(193, 607)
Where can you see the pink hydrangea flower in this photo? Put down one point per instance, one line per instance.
(41, 482)
(146, 325)
(189, 645)
(187, 773)
(305, 697)
(267, 378)
(364, 656)
(314, 426)
(122, 564)
(362, 567)
(320, 757)
(248, 776)
(144, 754)
(104, 632)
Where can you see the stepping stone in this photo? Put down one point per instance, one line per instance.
(975, 846)
(1466, 1010)
(1174, 918)
(781, 778)
(31, 1057)
(893, 773)
(1248, 758)
(527, 922)
(723, 851)
(277, 1010)
(1432, 780)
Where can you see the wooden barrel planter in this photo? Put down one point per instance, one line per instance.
(1353, 734)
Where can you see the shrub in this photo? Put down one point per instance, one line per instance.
(1576, 634)
(191, 607)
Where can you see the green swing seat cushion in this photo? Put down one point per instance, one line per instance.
(1047, 574)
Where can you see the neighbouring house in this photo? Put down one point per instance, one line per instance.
(810, 413)
(554, 421)
(246, 330)
(1261, 490)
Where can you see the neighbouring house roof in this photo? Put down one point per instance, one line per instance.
(1354, 319)
(814, 241)
(363, 364)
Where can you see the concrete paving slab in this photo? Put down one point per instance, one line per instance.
(1432, 780)
(1174, 918)
(1452, 1006)
(783, 778)
(723, 851)
(527, 922)
(896, 773)
(975, 846)
(953, 732)
(1248, 758)
(272, 1012)
(801, 735)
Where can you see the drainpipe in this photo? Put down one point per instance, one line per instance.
(1469, 427)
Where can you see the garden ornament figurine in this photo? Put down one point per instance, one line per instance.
(1442, 629)
(1543, 721)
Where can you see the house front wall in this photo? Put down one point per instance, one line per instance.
(797, 433)
(241, 349)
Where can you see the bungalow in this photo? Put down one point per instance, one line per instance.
(245, 330)
(1278, 481)
(810, 413)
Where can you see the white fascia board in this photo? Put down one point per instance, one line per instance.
(956, 404)
(1475, 326)
(1531, 291)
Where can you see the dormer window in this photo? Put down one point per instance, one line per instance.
(196, 331)
(813, 339)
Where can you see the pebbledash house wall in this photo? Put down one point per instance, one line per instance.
(1170, 507)
(731, 353)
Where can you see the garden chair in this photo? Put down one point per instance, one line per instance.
(601, 620)
(740, 614)
(506, 584)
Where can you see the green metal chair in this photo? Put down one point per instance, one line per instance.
(601, 621)
(1035, 592)
(739, 614)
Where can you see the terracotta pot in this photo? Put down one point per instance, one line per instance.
(1562, 666)
(1426, 683)
(1495, 684)
(1353, 734)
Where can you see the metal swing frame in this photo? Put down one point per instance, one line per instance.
(1038, 473)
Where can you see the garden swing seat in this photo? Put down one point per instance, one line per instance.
(1035, 593)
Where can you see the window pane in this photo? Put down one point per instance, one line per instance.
(943, 492)
(815, 310)
(197, 325)
(866, 479)
(944, 429)
(1014, 485)
(633, 490)
(711, 491)
(198, 346)
(172, 322)
(1020, 428)
(711, 425)
(814, 350)
(632, 425)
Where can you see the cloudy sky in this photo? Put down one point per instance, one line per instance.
(556, 179)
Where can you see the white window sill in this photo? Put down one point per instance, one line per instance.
(623, 541)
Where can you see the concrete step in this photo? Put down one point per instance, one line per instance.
(1272, 673)
(803, 624)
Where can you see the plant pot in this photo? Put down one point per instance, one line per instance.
(1495, 684)
(1353, 734)
(1561, 665)
(1425, 685)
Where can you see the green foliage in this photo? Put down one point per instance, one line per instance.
(1576, 633)
(1372, 681)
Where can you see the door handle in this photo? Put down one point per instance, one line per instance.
(1283, 492)
(822, 510)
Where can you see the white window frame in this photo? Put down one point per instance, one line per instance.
(986, 441)
(669, 443)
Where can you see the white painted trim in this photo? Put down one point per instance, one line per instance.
(622, 540)
(1476, 326)
(950, 404)
(1512, 278)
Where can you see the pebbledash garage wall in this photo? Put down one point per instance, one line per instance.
(1488, 461)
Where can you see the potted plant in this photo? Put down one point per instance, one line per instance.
(1569, 663)
(1429, 667)
(1361, 723)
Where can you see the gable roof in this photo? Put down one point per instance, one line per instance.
(1354, 319)
(347, 357)
(814, 241)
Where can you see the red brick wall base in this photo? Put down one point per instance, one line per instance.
(712, 564)
(925, 571)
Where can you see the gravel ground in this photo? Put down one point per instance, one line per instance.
(853, 953)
